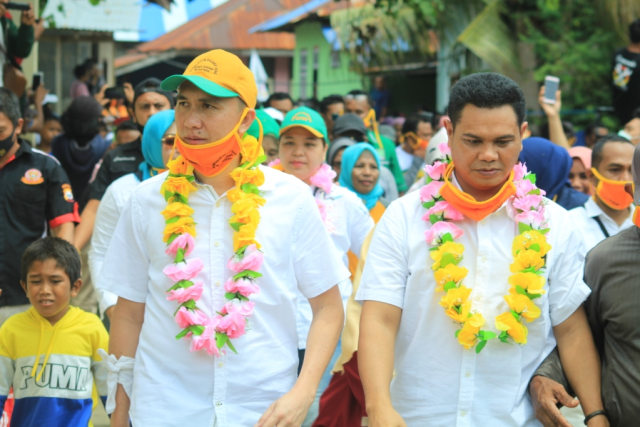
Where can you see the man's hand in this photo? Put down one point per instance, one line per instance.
(545, 395)
(550, 110)
(28, 17)
(288, 411)
(385, 417)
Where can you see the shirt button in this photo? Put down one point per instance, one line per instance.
(467, 374)
(218, 403)
(216, 244)
(463, 413)
(218, 204)
(217, 283)
(220, 364)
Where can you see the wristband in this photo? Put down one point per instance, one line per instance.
(120, 371)
(594, 414)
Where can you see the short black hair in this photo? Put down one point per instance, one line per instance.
(358, 93)
(10, 105)
(486, 90)
(596, 151)
(412, 122)
(151, 84)
(330, 100)
(277, 96)
(64, 253)
(634, 31)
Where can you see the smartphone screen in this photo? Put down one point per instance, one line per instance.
(551, 85)
(37, 80)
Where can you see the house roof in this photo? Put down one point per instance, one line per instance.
(310, 9)
(111, 16)
(226, 27)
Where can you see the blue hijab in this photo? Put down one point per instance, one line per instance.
(551, 164)
(152, 135)
(349, 159)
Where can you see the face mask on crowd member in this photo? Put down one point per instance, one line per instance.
(611, 168)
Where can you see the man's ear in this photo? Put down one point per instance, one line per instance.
(75, 287)
(24, 286)
(246, 122)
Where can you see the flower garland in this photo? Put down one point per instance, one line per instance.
(529, 250)
(323, 179)
(212, 333)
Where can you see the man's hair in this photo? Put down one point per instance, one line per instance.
(277, 96)
(412, 122)
(10, 106)
(61, 251)
(358, 93)
(634, 31)
(127, 125)
(596, 152)
(151, 84)
(486, 90)
(330, 100)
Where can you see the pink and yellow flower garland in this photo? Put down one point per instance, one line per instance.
(212, 333)
(529, 249)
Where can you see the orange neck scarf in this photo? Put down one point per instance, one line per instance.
(636, 216)
(468, 205)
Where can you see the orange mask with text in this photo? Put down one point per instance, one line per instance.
(612, 192)
(213, 157)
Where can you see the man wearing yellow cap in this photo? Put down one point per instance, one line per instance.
(206, 261)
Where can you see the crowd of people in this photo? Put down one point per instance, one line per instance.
(316, 263)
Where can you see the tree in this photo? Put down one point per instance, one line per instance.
(525, 39)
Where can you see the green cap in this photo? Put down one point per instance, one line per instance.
(269, 125)
(307, 118)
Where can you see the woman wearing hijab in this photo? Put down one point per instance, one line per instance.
(551, 164)
(579, 175)
(157, 146)
(360, 173)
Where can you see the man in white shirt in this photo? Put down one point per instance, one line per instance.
(439, 380)
(609, 210)
(252, 381)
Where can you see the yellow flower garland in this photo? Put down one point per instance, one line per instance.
(529, 249)
(213, 333)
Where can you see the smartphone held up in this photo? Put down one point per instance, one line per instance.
(551, 86)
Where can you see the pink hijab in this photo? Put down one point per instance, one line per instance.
(582, 153)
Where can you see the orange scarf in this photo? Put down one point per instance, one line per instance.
(636, 216)
(468, 205)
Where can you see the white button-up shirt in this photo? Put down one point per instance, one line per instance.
(348, 223)
(438, 382)
(111, 205)
(173, 386)
(584, 218)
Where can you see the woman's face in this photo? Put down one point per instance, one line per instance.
(579, 177)
(301, 153)
(336, 163)
(270, 147)
(365, 173)
(167, 144)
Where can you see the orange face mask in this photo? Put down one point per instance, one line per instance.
(612, 192)
(212, 158)
(415, 141)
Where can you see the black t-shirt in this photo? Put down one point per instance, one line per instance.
(35, 194)
(625, 83)
(123, 159)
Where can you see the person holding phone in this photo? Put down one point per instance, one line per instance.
(550, 100)
(15, 42)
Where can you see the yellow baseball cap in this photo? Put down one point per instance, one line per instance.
(218, 73)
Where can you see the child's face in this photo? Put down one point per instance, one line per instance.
(49, 289)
